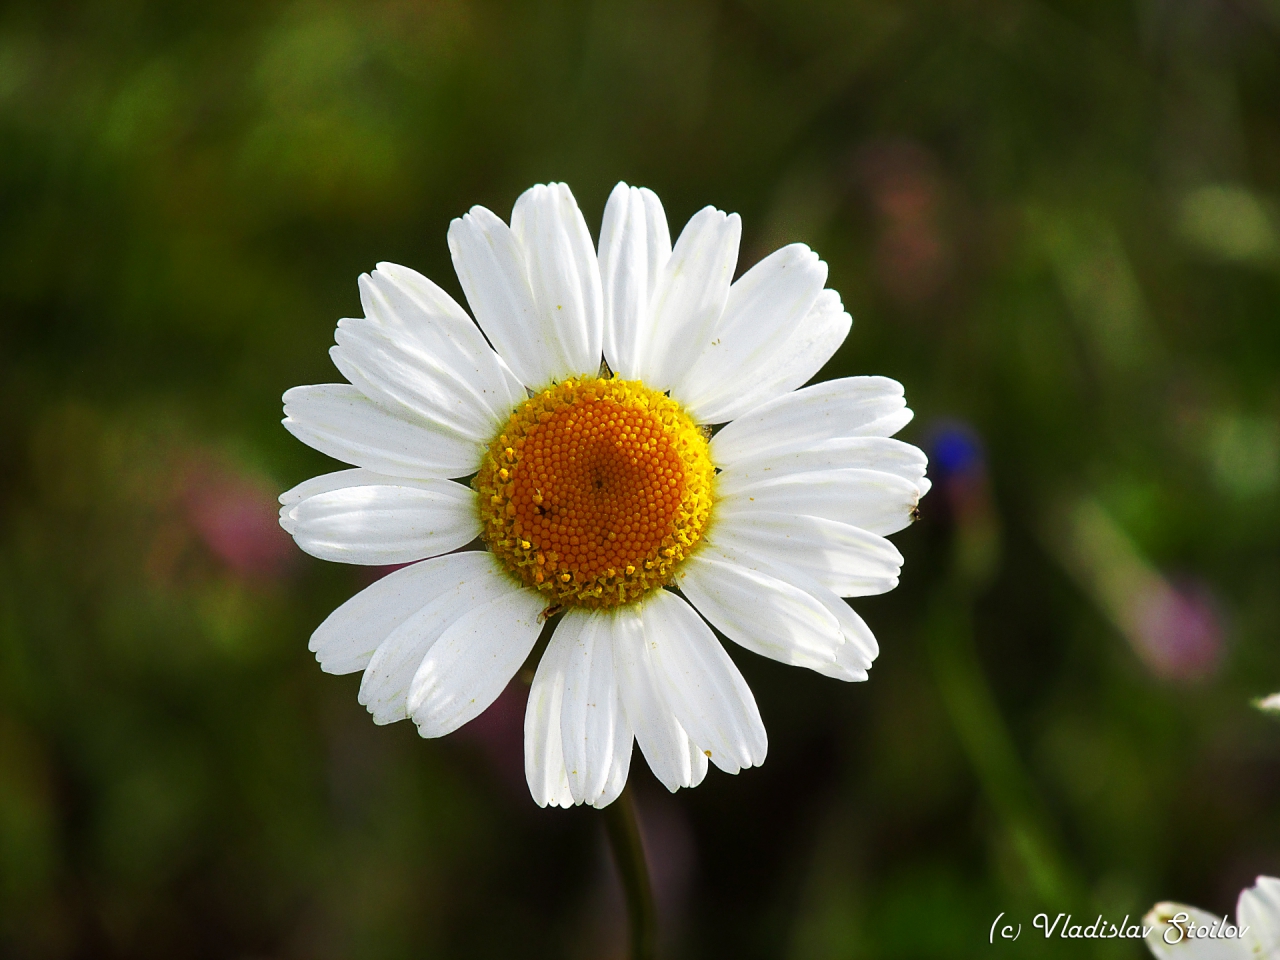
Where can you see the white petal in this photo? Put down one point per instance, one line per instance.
(859, 650)
(875, 501)
(1157, 919)
(847, 560)
(764, 307)
(382, 370)
(461, 581)
(563, 273)
(887, 425)
(473, 660)
(620, 768)
(851, 407)
(544, 768)
(689, 298)
(871, 453)
(325, 482)
(347, 639)
(811, 344)
(702, 684)
(1259, 908)
(489, 377)
(408, 359)
(592, 708)
(635, 245)
(761, 612)
(698, 764)
(853, 650)
(491, 268)
(662, 739)
(393, 522)
(338, 420)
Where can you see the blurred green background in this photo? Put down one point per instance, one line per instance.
(1055, 223)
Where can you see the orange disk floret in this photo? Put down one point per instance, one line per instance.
(595, 490)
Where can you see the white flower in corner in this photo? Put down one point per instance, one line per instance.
(599, 491)
(1269, 704)
(1179, 932)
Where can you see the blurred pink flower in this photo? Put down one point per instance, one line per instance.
(235, 514)
(1174, 629)
(912, 256)
(1177, 631)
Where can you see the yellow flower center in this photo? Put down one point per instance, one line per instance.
(595, 490)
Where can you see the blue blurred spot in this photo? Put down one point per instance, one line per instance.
(954, 448)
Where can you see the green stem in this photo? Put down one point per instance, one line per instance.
(628, 853)
(986, 740)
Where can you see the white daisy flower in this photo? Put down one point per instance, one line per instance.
(1178, 932)
(600, 491)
